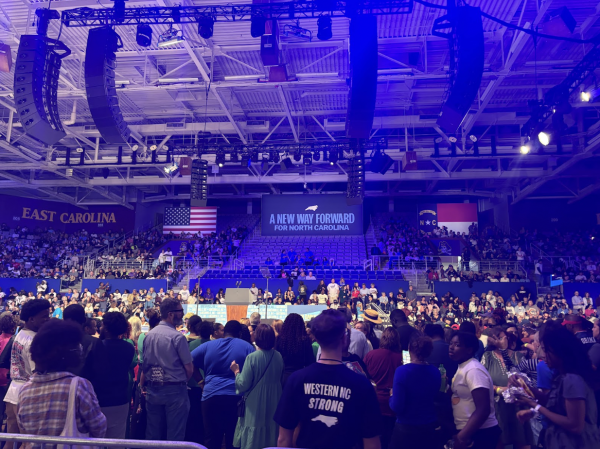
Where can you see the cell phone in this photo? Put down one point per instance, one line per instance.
(405, 357)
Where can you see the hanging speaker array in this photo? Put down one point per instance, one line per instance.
(363, 76)
(100, 61)
(37, 70)
(199, 183)
(467, 56)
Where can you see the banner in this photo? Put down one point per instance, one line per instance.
(447, 247)
(310, 215)
(427, 217)
(33, 214)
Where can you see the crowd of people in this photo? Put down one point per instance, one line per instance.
(332, 382)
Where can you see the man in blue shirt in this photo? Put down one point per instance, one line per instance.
(219, 398)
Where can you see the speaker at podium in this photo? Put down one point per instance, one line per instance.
(238, 297)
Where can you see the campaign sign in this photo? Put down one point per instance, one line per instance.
(310, 215)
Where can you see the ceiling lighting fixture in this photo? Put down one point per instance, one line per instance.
(170, 37)
(135, 148)
(317, 155)
(153, 147)
(297, 31)
(473, 138)
(206, 27)
(544, 138)
(525, 149)
(307, 159)
(220, 159)
(586, 96)
(324, 32)
(333, 157)
(297, 156)
(171, 169)
(143, 36)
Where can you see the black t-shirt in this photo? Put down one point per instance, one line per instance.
(336, 407)
(587, 338)
(522, 295)
(120, 355)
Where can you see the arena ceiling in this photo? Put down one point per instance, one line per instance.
(170, 95)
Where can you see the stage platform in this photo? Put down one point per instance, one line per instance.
(222, 313)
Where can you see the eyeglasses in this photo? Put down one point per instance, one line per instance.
(177, 311)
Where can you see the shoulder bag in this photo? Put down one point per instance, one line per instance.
(241, 405)
(70, 429)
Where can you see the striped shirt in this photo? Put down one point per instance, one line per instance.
(43, 404)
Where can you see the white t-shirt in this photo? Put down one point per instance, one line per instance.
(185, 294)
(21, 366)
(470, 376)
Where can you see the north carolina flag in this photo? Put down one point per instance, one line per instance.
(456, 217)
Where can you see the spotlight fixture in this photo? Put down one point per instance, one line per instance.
(586, 96)
(473, 138)
(105, 172)
(324, 32)
(170, 37)
(79, 150)
(544, 138)
(317, 155)
(452, 139)
(206, 27)
(525, 149)
(153, 147)
(297, 156)
(135, 147)
(307, 159)
(274, 157)
(257, 26)
(254, 157)
(144, 35)
(171, 169)
(475, 148)
(333, 157)
(233, 157)
(220, 159)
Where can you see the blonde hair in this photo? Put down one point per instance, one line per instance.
(245, 321)
(136, 328)
(277, 325)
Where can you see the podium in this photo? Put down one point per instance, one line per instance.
(238, 296)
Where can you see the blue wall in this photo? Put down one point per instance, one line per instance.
(274, 284)
(28, 284)
(125, 284)
(570, 288)
(463, 291)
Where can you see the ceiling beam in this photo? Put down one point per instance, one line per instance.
(585, 192)
(589, 150)
(286, 109)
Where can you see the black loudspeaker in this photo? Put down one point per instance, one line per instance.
(36, 83)
(363, 76)
(468, 37)
(356, 180)
(102, 97)
(199, 184)
(381, 163)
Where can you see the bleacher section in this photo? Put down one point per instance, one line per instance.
(351, 273)
(344, 250)
(236, 221)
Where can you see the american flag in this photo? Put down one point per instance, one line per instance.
(190, 219)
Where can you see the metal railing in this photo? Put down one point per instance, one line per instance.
(382, 262)
(70, 442)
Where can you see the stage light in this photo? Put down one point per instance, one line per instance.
(206, 27)
(297, 156)
(119, 10)
(171, 169)
(473, 138)
(525, 149)
(544, 138)
(153, 147)
(105, 173)
(436, 147)
(274, 157)
(254, 157)
(220, 159)
(317, 155)
(234, 156)
(135, 148)
(324, 32)
(586, 96)
(144, 35)
(475, 148)
(307, 159)
(333, 157)
(257, 26)
(170, 37)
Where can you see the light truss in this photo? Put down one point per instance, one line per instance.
(85, 17)
(347, 146)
